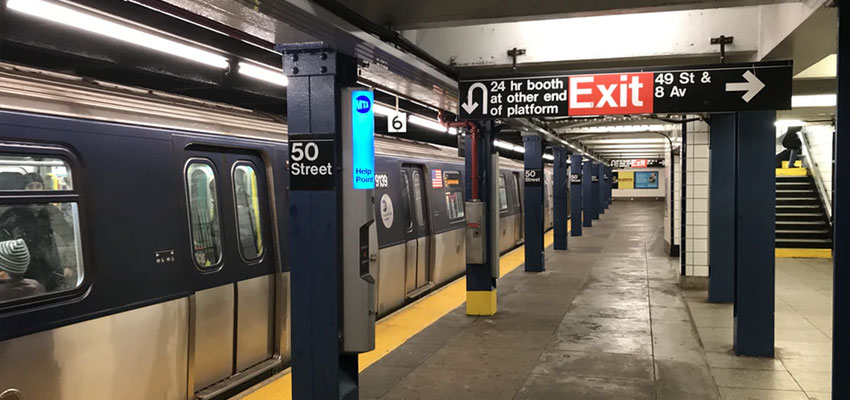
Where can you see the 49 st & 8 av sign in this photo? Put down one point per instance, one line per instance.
(718, 88)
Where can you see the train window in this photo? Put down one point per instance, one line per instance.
(203, 213)
(454, 202)
(417, 198)
(40, 240)
(405, 200)
(516, 190)
(503, 193)
(247, 211)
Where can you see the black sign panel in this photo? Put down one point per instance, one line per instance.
(594, 178)
(714, 88)
(637, 163)
(533, 176)
(575, 179)
(311, 164)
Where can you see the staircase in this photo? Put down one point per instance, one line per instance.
(801, 221)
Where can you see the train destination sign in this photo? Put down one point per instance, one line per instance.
(716, 88)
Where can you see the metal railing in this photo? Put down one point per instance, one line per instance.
(823, 191)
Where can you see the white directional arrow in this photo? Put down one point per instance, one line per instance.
(752, 86)
(471, 105)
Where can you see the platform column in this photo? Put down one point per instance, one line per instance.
(320, 368)
(755, 225)
(595, 191)
(533, 159)
(841, 224)
(482, 186)
(576, 187)
(560, 196)
(721, 207)
(606, 180)
(588, 206)
(610, 187)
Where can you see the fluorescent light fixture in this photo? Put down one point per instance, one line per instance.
(383, 110)
(92, 23)
(503, 145)
(426, 123)
(452, 131)
(814, 100)
(625, 141)
(629, 146)
(519, 149)
(549, 157)
(624, 128)
(263, 73)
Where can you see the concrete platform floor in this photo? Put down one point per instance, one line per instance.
(605, 321)
(802, 366)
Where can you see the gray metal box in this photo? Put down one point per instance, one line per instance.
(476, 238)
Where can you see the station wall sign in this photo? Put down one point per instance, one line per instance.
(575, 179)
(533, 176)
(696, 89)
(311, 163)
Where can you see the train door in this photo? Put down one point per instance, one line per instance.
(417, 262)
(231, 264)
(519, 222)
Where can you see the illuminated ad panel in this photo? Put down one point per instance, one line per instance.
(362, 139)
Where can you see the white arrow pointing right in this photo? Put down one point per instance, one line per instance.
(471, 105)
(752, 86)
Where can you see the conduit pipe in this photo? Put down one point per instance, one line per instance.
(473, 136)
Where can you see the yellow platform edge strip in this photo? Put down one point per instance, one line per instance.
(792, 172)
(395, 329)
(804, 253)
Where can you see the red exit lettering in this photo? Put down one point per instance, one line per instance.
(611, 94)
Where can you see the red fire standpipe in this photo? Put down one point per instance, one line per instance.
(473, 135)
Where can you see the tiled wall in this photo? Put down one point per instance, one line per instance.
(696, 228)
(820, 147)
(676, 213)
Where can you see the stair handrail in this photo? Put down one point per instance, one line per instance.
(816, 176)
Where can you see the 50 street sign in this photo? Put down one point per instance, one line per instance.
(717, 88)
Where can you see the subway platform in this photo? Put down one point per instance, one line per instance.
(606, 320)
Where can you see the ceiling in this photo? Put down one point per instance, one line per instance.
(418, 14)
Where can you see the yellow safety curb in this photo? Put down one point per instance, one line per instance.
(395, 329)
(792, 172)
(804, 253)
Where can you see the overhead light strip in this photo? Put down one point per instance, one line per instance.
(814, 100)
(70, 16)
(262, 73)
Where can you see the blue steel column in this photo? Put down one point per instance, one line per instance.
(606, 180)
(319, 368)
(841, 238)
(576, 194)
(721, 207)
(600, 173)
(587, 200)
(480, 282)
(755, 233)
(594, 190)
(610, 185)
(533, 159)
(560, 196)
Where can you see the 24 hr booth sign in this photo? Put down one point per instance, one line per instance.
(723, 88)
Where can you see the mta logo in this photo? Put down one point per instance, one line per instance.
(362, 104)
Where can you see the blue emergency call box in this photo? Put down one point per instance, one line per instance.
(362, 139)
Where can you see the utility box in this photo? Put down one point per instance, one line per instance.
(360, 234)
(476, 232)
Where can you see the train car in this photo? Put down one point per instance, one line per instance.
(143, 238)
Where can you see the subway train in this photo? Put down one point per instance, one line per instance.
(143, 238)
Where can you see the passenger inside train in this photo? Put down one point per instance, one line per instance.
(39, 251)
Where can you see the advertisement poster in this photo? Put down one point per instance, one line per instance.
(646, 180)
(625, 180)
